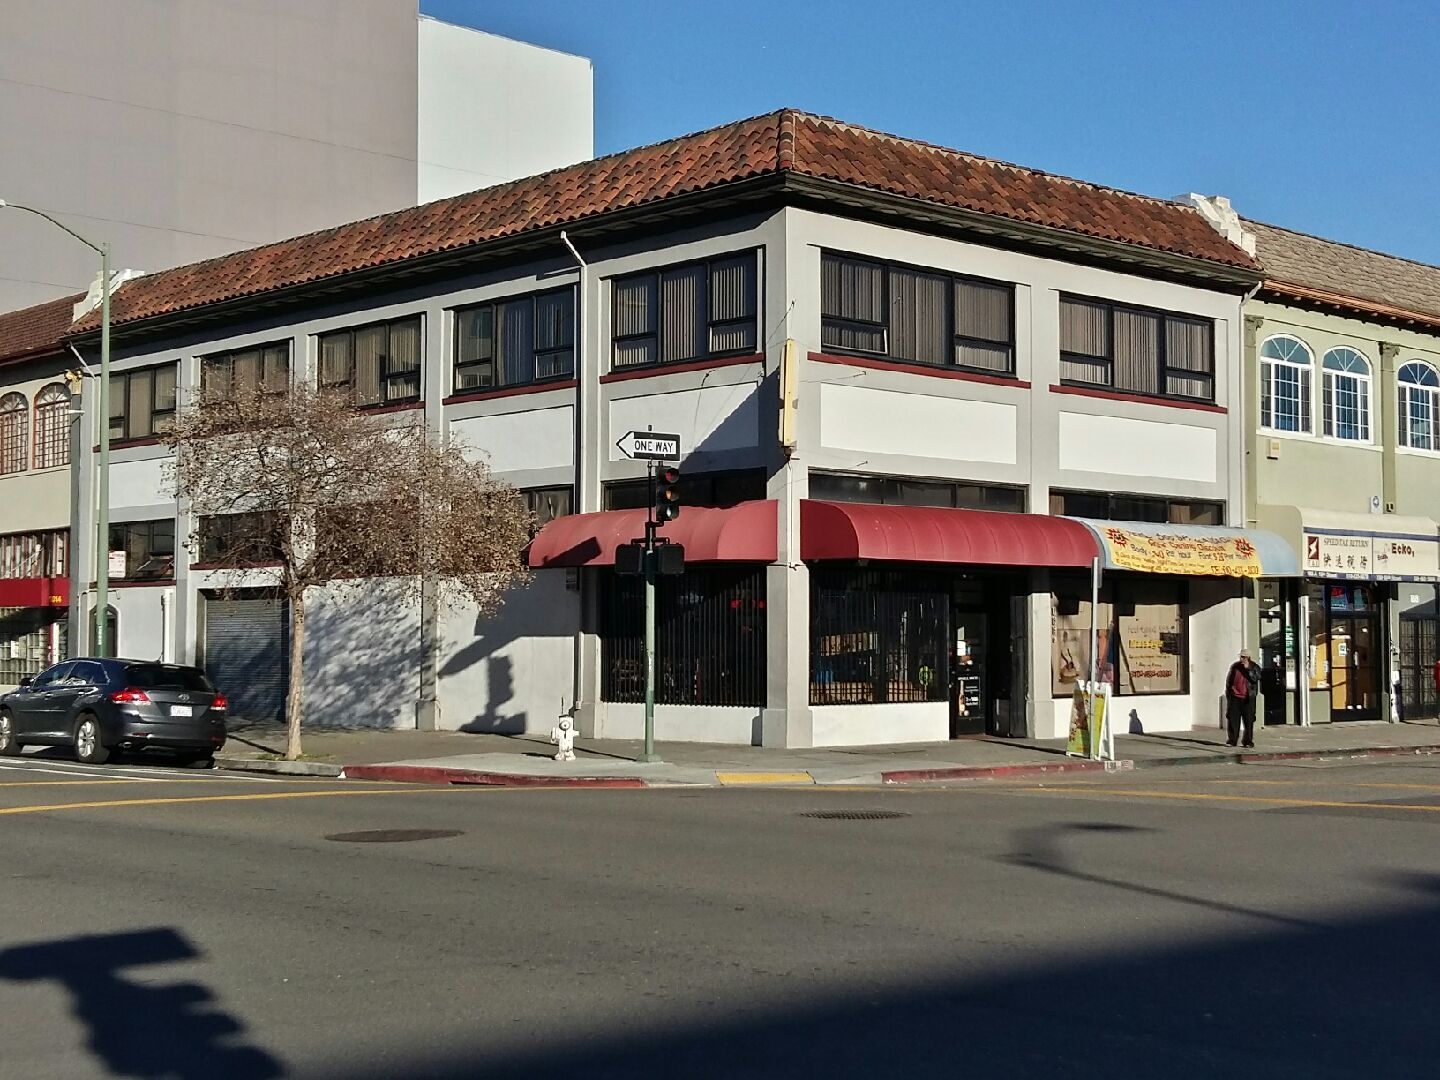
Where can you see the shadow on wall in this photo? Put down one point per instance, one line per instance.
(1347, 997)
(362, 655)
(142, 1027)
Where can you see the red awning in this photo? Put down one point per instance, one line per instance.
(743, 533)
(34, 592)
(931, 534)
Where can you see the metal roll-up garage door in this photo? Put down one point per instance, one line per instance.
(247, 654)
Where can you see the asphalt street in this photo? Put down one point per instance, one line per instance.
(1279, 920)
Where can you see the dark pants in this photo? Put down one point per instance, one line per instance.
(1238, 711)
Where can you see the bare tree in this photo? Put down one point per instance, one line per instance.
(326, 495)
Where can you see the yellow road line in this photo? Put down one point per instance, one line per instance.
(254, 797)
(764, 778)
(1198, 797)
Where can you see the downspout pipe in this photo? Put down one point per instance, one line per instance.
(582, 381)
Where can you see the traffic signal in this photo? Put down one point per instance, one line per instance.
(667, 494)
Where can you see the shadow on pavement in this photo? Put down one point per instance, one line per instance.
(1294, 1001)
(170, 1031)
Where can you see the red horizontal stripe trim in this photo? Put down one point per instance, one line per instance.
(649, 370)
(930, 370)
(1116, 395)
(510, 391)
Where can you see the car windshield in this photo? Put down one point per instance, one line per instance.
(166, 677)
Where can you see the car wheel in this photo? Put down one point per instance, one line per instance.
(88, 747)
(8, 744)
(204, 761)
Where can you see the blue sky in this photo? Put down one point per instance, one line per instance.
(1322, 116)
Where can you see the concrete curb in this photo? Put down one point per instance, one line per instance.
(1001, 772)
(434, 774)
(283, 768)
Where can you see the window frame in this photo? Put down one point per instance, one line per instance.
(1117, 595)
(212, 361)
(1164, 371)
(1305, 384)
(708, 323)
(1405, 391)
(889, 489)
(35, 554)
(496, 361)
(1364, 391)
(951, 334)
(147, 530)
(50, 430)
(537, 502)
(384, 376)
(14, 434)
(121, 401)
(221, 530)
(1112, 497)
(696, 489)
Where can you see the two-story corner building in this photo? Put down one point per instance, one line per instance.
(920, 394)
(37, 430)
(1342, 353)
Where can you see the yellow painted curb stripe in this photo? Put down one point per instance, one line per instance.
(1196, 797)
(112, 803)
(764, 778)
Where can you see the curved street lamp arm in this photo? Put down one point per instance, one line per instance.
(58, 224)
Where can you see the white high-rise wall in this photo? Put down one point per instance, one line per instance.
(179, 130)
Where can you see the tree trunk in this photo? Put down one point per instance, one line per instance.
(295, 699)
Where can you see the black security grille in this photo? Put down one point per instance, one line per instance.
(1419, 642)
(709, 638)
(878, 637)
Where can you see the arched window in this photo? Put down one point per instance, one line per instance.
(52, 427)
(14, 431)
(1285, 367)
(1419, 414)
(1347, 395)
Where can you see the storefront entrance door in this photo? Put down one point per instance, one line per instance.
(1352, 641)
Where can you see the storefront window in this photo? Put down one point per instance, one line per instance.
(878, 638)
(1141, 640)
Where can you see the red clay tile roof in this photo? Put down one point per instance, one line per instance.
(37, 329)
(780, 142)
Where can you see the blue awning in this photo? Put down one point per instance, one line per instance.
(1195, 550)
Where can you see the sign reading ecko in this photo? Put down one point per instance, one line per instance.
(1372, 558)
(649, 445)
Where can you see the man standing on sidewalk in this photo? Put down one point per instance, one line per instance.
(1242, 684)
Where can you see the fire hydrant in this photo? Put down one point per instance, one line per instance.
(563, 736)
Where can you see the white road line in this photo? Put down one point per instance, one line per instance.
(147, 774)
(36, 768)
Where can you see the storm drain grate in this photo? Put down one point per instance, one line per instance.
(854, 815)
(392, 836)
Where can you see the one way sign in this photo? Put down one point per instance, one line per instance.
(650, 446)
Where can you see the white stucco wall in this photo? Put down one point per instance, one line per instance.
(362, 654)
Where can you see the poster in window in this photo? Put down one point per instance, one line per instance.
(1070, 644)
(1151, 646)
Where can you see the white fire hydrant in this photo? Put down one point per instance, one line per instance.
(563, 736)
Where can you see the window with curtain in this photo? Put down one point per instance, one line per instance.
(264, 368)
(378, 364)
(30, 555)
(14, 433)
(918, 316)
(142, 402)
(1135, 350)
(1347, 395)
(516, 341)
(52, 427)
(695, 311)
(1285, 373)
(1419, 411)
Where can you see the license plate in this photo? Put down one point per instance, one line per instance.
(181, 710)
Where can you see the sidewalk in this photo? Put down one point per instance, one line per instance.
(447, 757)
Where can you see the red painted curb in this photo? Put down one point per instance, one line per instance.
(434, 774)
(988, 772)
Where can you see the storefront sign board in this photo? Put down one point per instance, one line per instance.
(1175, 553)
(1371, 558)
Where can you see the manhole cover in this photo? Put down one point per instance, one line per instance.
(854, 815)
(392, 836)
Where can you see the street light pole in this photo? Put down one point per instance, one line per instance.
(102, 407)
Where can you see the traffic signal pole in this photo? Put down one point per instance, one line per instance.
(648, 755)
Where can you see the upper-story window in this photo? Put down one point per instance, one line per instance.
(52, 427)
(877, 309)
(32, 555)
(1347, 395)
(14, 433)
(1419, 412)
(513, 342)
(149, 548)
(695, 311)
(378, 364)
(1286, 365)
(142, 402)
(264, 368)
(1157, 353)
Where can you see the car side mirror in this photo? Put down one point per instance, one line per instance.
(26, 680)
